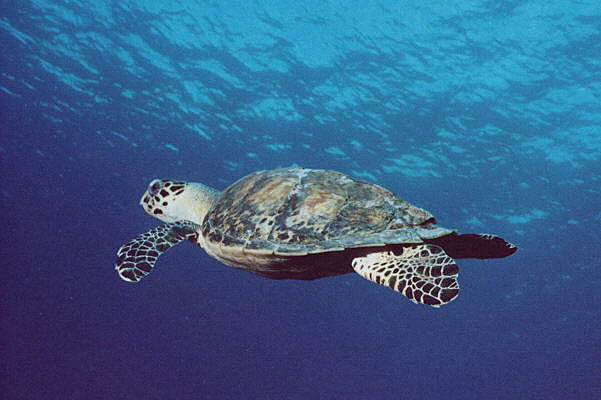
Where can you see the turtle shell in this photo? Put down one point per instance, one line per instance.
(299, 211)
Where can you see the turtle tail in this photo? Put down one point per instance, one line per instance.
(472, 245)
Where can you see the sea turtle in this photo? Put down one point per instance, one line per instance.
(296, 223)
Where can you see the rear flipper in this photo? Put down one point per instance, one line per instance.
(137, 257)
(423, 273)
(471, 245)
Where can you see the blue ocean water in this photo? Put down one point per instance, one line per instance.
(485, 113)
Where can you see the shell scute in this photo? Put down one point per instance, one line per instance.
(294, 210)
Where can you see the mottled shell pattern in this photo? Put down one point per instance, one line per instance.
(295, 210)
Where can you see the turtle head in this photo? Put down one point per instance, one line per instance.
(172, 201)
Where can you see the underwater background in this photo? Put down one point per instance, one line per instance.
(485, 113)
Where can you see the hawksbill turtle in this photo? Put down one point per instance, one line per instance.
(296, 223)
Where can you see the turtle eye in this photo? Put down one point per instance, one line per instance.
(154, 187)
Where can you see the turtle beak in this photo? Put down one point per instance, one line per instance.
(144, 200)
(154, 187)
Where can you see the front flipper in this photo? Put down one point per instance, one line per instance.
(137, 257)
(424, 273)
